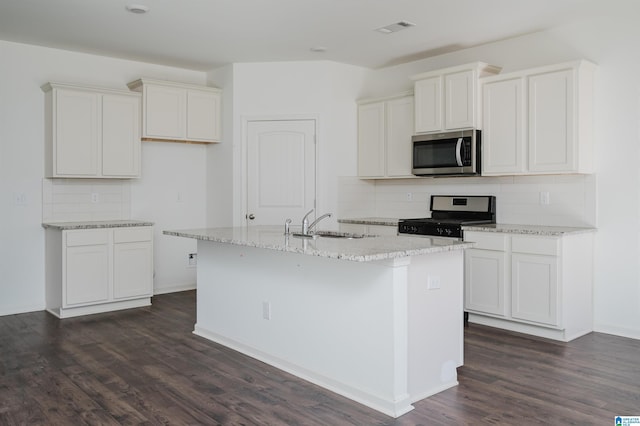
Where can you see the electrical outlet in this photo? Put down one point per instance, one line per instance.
(19, 198)
(433, 282)
(266, 310)
(95, 197)
(193, 259)
(409, 196)
(544, 198)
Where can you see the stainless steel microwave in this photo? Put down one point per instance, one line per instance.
(454, 153)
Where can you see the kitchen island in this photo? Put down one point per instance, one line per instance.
(376, 319)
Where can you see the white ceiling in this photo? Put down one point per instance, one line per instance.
(205, 34)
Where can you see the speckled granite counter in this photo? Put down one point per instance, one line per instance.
(65, 226)
(357, 249)
(384, 221)
(549, 231)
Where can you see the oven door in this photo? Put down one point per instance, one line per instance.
(452, 153)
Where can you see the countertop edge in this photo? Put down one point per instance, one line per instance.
(371, 221)
(66, 226)
(540, 230)
(507, 228)
(392, 254)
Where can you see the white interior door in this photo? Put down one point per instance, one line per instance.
(281, 170)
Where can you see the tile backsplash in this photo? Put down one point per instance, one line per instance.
(85, 200)
(572, 198)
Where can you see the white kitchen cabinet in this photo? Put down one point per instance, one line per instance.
(535, 288)
(428, 104)
(502, 111)
(447, 99)
(539, 121)
(540, 285)
(98, 270)
(385, 127)
(485, 269)
(91, 132)
(132, 262)
(86, 267)
(179, 112)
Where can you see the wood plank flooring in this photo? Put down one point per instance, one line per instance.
(144, 366)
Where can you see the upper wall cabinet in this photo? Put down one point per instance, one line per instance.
(179, 112)
(447, 99)
(385, 126)
(539, 121)
(91, 132)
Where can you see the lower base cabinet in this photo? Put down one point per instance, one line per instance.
(540, 285)
(98, 270)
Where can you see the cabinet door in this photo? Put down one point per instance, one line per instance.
(399, 114)
(120, 136)
(428, 105)
(203, 116)
(86, 267)
(132, 262)
(551, 135)
(459, 100)
(503, 130)
(165, 112)
(535, 288)
(485, 277)
(132, 270)
(371, 145)
(77, 133)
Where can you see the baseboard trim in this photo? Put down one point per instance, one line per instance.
(175, 288)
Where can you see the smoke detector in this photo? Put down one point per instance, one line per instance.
(394, 28)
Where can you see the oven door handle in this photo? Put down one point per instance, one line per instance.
(458, 152)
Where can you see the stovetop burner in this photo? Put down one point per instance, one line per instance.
(449, 214)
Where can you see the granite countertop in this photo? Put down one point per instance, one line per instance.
(65, 226)
(498, 227)
(549, 231)
(357, 249)
(385, 221)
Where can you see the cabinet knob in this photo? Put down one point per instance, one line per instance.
(250, 216)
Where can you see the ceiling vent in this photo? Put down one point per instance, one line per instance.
(394, 28)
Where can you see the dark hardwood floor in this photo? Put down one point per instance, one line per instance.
(144, 366)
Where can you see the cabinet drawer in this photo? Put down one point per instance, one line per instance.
(535, 245)
(130, 235)
(87, 237)
(487, 240)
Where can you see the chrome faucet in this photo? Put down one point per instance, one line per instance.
(315, 222)
(305, 223)
(307, 229)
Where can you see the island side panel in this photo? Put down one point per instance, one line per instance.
(340, 324)
(436, 326)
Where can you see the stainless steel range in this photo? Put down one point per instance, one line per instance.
(449, 213)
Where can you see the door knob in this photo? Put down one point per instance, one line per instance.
(251, 216)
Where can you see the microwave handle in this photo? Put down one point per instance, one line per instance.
(458, 152)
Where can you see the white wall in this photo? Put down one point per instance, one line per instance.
(322, 90)
(220, 176)
(169, 168)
